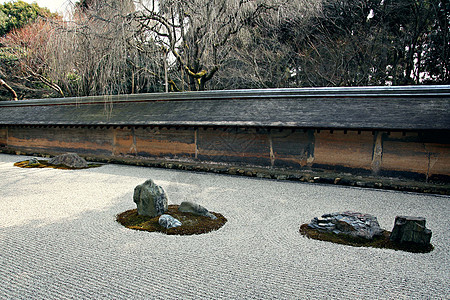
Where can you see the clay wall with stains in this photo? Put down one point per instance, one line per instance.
(386, 131)
(419, 155)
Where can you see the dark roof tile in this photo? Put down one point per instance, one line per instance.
(394, 108)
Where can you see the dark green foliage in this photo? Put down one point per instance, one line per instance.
(350, 43)
(436, 54)
(391, 46)
(351, 48)
(21, 41)
(15, 15)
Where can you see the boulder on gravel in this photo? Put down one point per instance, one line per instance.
(71, 160)
(150, 198)
(349, 223)
(196, 209)
(410, 230)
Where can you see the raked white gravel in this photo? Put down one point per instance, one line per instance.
(59, 240)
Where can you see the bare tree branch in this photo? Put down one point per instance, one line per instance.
(10, 89)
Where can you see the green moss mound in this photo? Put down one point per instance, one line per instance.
(192, 224)
(382, 241)
(45, 164)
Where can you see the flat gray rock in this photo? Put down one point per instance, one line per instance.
(71, 160)
(196, 209)
(349, 223)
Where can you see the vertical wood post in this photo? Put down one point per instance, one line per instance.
(377, 155)
(196, 142)
(272, 155)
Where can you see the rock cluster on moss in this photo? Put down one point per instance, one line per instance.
(362, 230)
(154, 214)
(43, 163)
(191, 224)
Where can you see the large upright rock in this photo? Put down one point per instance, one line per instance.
(410, 230)
(150, 198)
(71, 160)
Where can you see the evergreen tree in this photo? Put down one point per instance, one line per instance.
(15, 15)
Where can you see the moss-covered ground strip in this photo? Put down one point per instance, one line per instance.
(192, 224)
(45, 164)
(377, 242)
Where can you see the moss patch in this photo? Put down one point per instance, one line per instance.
(377, 242)
(45, 164)
(192, 224)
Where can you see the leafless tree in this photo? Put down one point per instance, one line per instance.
(28, 54)
(198, 35)
(261, 54)
(96, 53)
(134, 46)
(8, 88)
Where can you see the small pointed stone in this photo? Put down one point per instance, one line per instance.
(33, 161)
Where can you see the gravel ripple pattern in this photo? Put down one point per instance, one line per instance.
(59, 239)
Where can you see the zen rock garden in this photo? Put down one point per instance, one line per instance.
(154, 214)
(67, 161)
(350, 228)
(358, 229)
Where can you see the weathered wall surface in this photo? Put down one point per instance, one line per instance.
(96, 141)
(153, 142)
(386, 131)
(427, 154)
(3, 136)
(408, 154)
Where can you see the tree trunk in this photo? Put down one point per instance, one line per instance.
(10, 89)
(166, 78)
